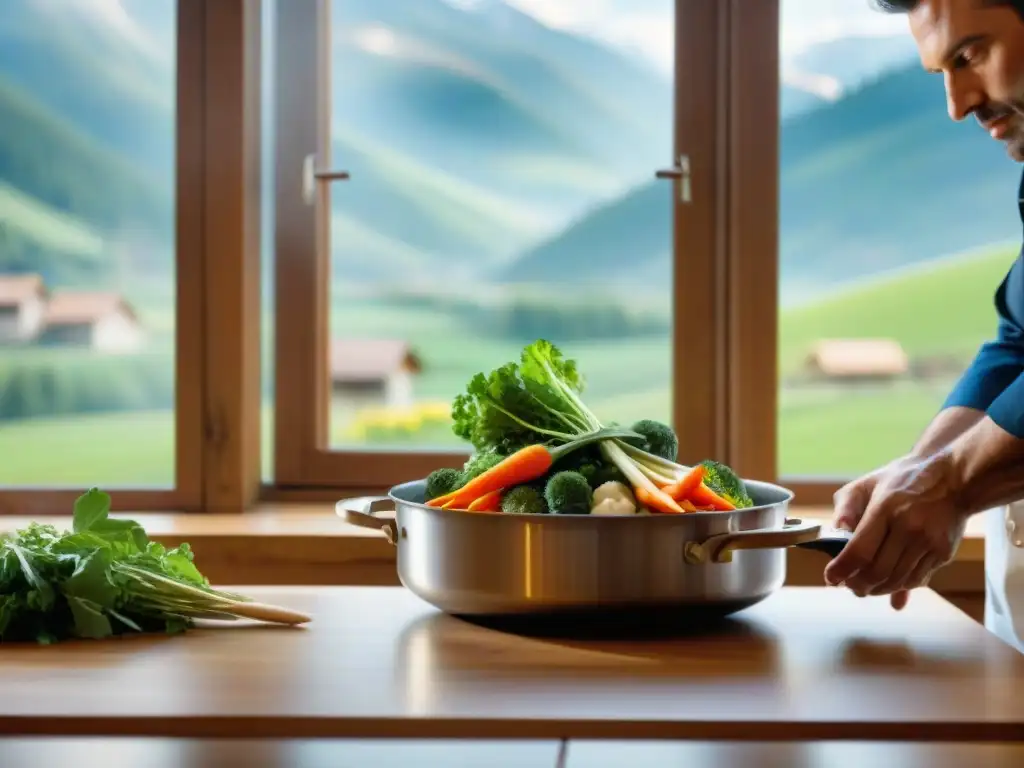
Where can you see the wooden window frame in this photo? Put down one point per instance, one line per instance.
(303, 461)
(217, 258)
(753, 234)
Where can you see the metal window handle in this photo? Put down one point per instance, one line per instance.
(681, 173)
(310, 177)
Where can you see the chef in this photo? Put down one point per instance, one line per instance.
(908, 516)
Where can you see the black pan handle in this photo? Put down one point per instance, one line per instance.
(831, 541)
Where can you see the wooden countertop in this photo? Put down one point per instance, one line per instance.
(808, 663)
(389, 753)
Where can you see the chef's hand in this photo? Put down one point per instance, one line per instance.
(906, 523)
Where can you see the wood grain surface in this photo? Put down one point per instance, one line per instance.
(806, 664)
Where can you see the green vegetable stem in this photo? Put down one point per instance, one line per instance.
(104, 578)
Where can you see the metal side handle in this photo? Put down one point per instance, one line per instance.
(359, 511)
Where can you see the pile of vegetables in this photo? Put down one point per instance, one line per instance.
(104, 578)
(538, 448)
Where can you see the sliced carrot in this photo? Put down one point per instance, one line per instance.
(489, 502)
(686, 486)
(658, 504)
(702, 496)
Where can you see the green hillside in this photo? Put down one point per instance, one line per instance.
(883, 178)
(628, 239)
(398, 206)
(48, 229)
(944, 308)
(48, 159)
(90, 73)
(878, 180)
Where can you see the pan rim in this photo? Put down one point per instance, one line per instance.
(786, 496)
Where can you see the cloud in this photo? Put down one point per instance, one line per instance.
(804, 23)
(111, 17)
(647, 26)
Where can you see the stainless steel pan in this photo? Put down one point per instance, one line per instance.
(485, 564)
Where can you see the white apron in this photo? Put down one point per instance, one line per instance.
(1004, 573)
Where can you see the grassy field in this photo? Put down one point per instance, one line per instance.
(104, 449)
(822, 431)
(946, 309)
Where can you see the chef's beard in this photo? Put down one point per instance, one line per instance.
(1014, 139)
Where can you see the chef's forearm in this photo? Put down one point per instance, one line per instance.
(946, 427)
(988, 466)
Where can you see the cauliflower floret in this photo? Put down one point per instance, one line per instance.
(613, 498)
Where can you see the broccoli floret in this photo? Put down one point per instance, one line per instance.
(524, 500)
(726, 483)
(607, 473)
(442, 481)
(588, 454)
(659, 438)
(568, 493)
(479, 463)
(587, 461)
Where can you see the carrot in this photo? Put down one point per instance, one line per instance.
(648, 499)
(489, 502)
(686, 486)
(524, 465)
(702, 496)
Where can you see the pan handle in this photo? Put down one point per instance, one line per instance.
(719, 548)
(831, 541)
(359, 511)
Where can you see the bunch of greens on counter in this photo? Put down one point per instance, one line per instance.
(104, 578)
(538, 448)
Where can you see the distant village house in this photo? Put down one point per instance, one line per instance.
(22, 306)
(32, 315)
(373, 372)
(857, 360)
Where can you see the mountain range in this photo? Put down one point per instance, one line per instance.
(482, 144)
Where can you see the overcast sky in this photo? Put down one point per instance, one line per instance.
(640, 25)
(647, 24)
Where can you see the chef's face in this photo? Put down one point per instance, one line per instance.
(978, 47)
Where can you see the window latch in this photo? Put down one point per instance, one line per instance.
(311, 176)
(679, 172)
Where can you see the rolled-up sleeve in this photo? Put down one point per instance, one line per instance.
(994, 382)
(1007, 410)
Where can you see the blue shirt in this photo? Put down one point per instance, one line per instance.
(994, 382)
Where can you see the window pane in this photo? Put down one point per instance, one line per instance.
(897, 225)
(502, 159)
(87, 271)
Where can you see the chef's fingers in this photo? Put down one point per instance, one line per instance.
(923, 571)
(919, 577)
(850, 502)
(898, 600)
(913, 551)
(859, 552)
(882, 566)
